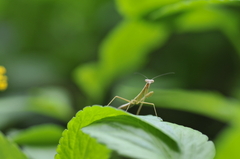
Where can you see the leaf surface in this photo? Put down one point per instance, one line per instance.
(136, 139)
(76, 144)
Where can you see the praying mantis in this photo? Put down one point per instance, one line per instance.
(140, 98)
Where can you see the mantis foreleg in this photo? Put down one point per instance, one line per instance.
(119, 98)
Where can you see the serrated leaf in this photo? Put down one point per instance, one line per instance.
(9, 150)
(148, 136)
(120, 134)
(74, 144)
(136, 140)
(193, 143)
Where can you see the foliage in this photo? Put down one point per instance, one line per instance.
(9, 150)
(63, 55)
(149, 136)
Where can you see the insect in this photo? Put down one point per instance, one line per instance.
(140, 98)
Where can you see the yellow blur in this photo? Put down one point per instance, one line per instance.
(3, 79)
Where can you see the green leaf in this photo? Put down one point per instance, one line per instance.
(141, 7)
(51, 101)
(12, 109)
(210, 104)
(126, 47)
(46, 134)
(40, 152)
(127, 140)
(227, 143)
(74, 144)
(126, 135)
(123, 51)
(193, 143)
(156, 9)
(9, 150)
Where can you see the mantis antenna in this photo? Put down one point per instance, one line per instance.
(141, 74)
(155, 76)
(163, 74)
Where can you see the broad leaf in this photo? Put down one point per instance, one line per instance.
(136, 139)
(76, 144)
(130, 135)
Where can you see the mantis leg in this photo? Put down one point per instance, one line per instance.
(150, 104)
(146, 95)
(149, 94)
(125, 106)
(140, 107)
(119, 98)
(142, 102)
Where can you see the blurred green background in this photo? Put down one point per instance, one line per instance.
(63, 55)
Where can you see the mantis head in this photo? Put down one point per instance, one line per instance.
(149, 81)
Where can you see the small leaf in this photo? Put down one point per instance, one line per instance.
(47, 134)
(9, 150)
(12, 109)
(40, 152)
(51, 101)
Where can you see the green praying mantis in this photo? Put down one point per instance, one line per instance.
(140, 98)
